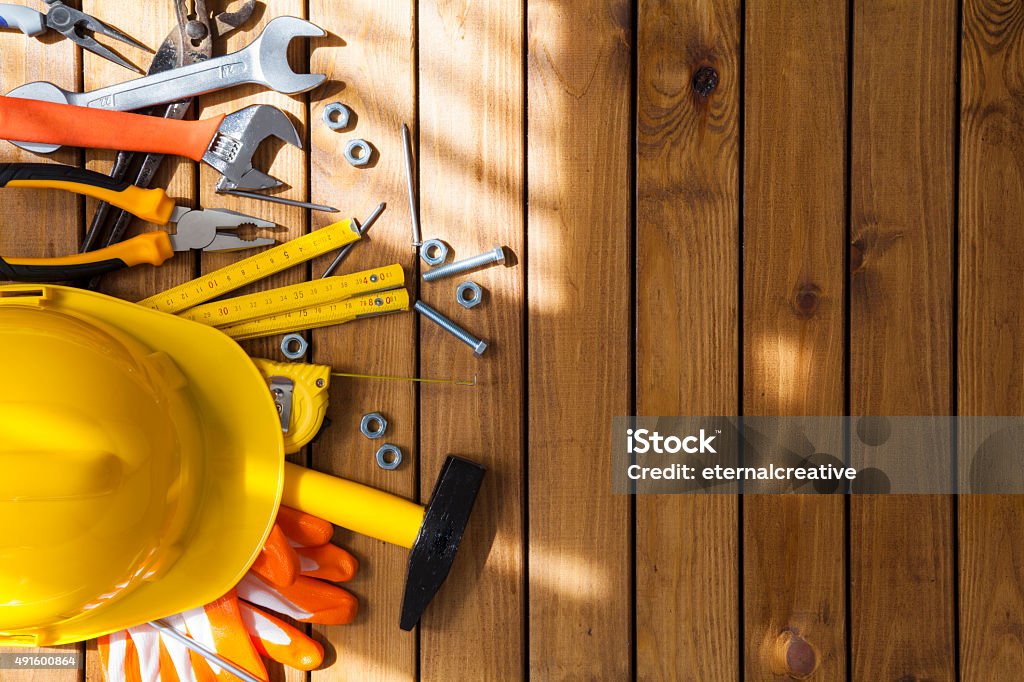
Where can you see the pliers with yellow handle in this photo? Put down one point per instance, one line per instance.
(196, 229)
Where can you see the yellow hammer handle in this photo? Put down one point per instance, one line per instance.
(358, 507)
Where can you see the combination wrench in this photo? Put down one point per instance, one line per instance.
(263, 62)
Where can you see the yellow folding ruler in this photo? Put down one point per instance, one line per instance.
(322, 315)
(254, 268)
(240, 309)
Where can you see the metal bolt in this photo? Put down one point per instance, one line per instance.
(195, 30)
(496, 255)
(455, 330)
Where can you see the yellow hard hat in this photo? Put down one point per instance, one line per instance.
(142, 464)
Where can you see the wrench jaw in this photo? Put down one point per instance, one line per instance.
(238, 137)
(251, 179)
(272, 47)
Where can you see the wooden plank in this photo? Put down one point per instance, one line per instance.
(369, 46)
(579, 269)
(794, 225)
(39, 223)
(150, 25)
(901, 547)
(991, 342)
(284, 162)
(471, 193)
(687, 553)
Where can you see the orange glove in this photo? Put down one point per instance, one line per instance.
(287, 577)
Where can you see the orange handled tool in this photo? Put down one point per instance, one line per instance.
(28, 120)
(152, 205)
(196, 229)
(153, 248)
(225, 142)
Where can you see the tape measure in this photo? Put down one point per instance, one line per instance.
(303, 295)
(323, 315)
(254, 268)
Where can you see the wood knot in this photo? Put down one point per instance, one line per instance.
(806, 299)
(794, 656)
(705, 80)
(856, 256)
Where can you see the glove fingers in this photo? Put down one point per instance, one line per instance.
(304, 529)
(117, 655)
(179, 656)
(277, 640)
(307, 600)
(327, 562)
(218, 626)
(149, 653)
(136, 655)
(277, 563)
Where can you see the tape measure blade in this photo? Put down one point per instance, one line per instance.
(254, 268)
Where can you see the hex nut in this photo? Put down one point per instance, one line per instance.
(373, 425)
(469, 295)
(434, 252)
(389, 456)
(337, 116)
(294, 346)
(358, 152)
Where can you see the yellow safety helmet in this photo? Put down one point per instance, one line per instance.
(142, 464)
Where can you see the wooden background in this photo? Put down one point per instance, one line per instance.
(717, 207)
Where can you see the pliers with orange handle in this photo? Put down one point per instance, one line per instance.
(196, 229)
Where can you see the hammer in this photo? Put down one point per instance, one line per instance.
(432, 533)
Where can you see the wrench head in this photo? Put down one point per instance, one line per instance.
(238, 137)
(271, 51)
(44, 92)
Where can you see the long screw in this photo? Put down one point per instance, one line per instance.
(410, 180)
(281, 200)
(455, 330)
(496, 255)
(348, 247)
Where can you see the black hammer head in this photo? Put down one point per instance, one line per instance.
(443, 524)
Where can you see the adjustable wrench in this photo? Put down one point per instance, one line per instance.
(263, 62)
(226, 143)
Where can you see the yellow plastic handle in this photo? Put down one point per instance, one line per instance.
(359, 508)
(152, 205)
(152, 248)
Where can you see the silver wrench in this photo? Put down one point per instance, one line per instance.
(264, 62)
